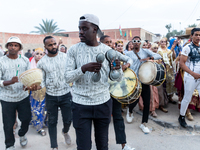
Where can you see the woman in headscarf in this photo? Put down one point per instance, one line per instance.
(144, 45)
(37, 99)
(63, 48)
(177, 48)
(168, 56)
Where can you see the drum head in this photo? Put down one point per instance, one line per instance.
(125, 87)
(147, 72)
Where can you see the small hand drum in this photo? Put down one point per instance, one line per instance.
(31, 77)
(128, 90)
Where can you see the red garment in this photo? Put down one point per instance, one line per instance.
(179, 81)
(30, 59)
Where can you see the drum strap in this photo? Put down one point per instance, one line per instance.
(136, 55)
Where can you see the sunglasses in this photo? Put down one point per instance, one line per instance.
(136, 41)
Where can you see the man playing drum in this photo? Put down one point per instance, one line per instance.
(190, 63)
(12, 95)
(91, 100)
(139, 55)
(118, 120)
(57, 90)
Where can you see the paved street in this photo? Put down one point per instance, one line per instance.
(160, 139)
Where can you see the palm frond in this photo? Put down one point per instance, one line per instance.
(47, 27)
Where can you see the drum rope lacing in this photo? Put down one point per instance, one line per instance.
(139, 88)
(160, 81)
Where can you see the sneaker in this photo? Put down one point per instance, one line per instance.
(10, 148)
(23, 141)
(129, 116)
(54, 148)
(67, 138)
(127, 147)
(182, 122)
(144, 128)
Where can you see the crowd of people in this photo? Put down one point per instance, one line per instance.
(67, 85)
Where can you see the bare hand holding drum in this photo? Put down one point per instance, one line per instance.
(31, 79)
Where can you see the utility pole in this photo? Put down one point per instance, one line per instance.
(198, 24)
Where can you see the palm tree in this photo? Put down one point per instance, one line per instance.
(49, 27)
(168, 26)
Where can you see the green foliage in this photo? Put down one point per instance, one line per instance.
(49, 27)
(168, 26)
(192, 25)
(173, 32)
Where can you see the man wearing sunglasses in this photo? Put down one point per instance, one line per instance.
(139, 55)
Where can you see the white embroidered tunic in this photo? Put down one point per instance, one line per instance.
(85, 91)
(53, 69)
(8, 69)
(143, 53)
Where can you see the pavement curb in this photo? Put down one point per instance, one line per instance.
(171, 125)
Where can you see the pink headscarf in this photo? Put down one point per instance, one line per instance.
(33, 63)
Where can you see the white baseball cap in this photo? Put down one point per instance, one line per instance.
(14, 39)
(90, 18)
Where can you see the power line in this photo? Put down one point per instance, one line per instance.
(119, 16)
(192, 11)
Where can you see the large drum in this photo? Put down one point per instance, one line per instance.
(151, 73)
(128, 89)
(31, 77)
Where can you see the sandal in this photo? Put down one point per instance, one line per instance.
(189, 116)
(163, 109)
(42, 132)
(153, 113)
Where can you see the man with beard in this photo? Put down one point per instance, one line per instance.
(91, 100)
(57, 91)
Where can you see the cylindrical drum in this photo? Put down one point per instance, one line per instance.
(152, 73)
